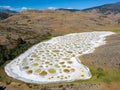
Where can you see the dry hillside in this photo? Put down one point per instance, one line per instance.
(33, 24)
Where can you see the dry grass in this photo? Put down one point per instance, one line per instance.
(106, 56)
(33, 25)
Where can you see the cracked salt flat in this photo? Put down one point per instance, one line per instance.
(56, 60)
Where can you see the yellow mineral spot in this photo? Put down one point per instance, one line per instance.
(63, 66)
(35, 64)
(52, 77)
(66, 70)
(66, 77)
(70, 62)
(56, 51)
(52, 71)
(26, 67)
(82, 75)
(49, 78)
(69, 51)
(73, 55)
(47, 62)
(43, 73)
(29, 71)
(37, 59)
(57, 66)
(62, 62)
(66, 58)
(38, 70)
(58, 76)
(82, 70)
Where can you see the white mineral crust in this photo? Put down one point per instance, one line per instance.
(56, 60)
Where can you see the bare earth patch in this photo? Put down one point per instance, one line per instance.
(106, 56)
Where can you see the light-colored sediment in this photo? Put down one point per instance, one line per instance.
(56, 60)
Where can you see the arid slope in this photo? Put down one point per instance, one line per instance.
(32, 25)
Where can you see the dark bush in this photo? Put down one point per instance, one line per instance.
(2, 88)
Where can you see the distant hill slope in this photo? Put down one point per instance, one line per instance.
(5, 13)
(34, 25)
(105, 9)
(71, 10)
(2, 9)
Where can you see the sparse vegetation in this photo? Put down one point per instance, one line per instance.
(10, 54)
(4, 15)
(104, 76)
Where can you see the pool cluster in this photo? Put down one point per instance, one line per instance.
(55, 60)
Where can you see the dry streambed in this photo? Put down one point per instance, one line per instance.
(56, 60)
